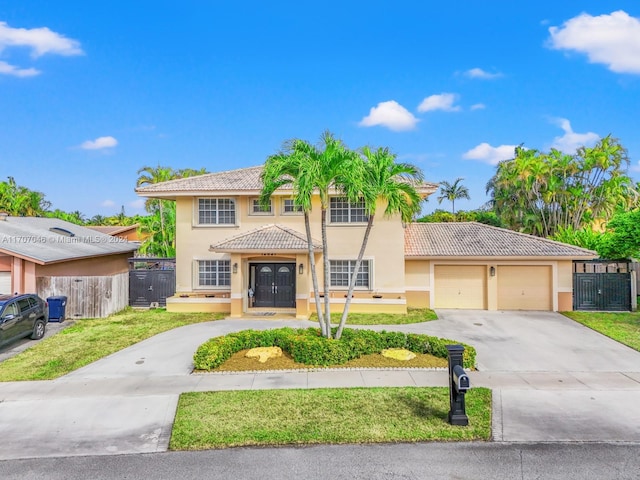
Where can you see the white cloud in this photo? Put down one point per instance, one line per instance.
(635, 168)
(444, 101)
(108, 203)
(6, 69)
(570, 141)
(491, 155)
(99, 143)
(40, 40)
(481, 74)
(391, 115)
(137, 203)
(478, 106)
(613, 40)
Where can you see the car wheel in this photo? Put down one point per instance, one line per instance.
(38, 330)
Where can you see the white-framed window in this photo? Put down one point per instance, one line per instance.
(216, 211)
(255, 208)
(289, 207)
(213, 273)
(342, 210)
(340, 272)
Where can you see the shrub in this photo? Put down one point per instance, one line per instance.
(308, 346)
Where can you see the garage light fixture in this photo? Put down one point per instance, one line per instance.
(235, 268)
(492, 271)
(301, 269)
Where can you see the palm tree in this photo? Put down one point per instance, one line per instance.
(384, 181)
(289, 167)
(150, 176)
(324, 168)
(452, 192)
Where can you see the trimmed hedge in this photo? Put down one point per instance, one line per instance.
(308, 346)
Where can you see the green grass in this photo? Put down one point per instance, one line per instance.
(88, 340)
(413, 315)
(206, 420)
(623, 327)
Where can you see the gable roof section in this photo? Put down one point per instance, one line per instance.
(113, 229)
(471, 239)
(32, 238)
(242, 180)
(271, 238)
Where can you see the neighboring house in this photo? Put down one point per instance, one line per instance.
(126, 232)
(233, 256)
(52, 257)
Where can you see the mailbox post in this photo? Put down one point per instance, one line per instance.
(458, 386)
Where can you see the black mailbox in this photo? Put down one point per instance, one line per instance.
(458, 386)
(460, 379)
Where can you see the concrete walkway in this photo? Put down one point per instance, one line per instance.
(125, 403)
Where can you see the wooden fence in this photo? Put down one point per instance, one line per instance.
(88, 297)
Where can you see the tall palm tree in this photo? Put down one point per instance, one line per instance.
(452, 192)
(323, 169)
(387, 182)
(290, 167)
(149, 176)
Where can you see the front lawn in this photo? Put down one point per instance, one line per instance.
(413, 315)
(206, 420)
(623, 327)
(91, 339)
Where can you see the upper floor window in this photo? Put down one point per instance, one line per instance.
(340, 272)
(289, 206)
(343, 211)
(257, 209)
(214, 273)
(216, 211)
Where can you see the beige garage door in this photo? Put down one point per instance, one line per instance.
(460, 286)
(5, 282)
(524, 287)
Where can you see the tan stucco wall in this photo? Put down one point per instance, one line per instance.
(565, 302)
(419, 278)
(417, 283)
(385, 246)
(96, 266)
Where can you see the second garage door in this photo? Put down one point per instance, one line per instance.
(460, 286)
(524, 287)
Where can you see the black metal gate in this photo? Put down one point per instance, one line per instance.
(601, 285)
(151, 281)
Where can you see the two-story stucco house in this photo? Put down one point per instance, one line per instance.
(234, 256)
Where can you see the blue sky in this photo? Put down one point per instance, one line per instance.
(92, 91)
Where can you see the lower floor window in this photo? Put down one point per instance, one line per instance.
(214, 273)
(340, 272)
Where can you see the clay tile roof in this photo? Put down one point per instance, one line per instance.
(274, 238)
(239, 180)
(112, 229)
(471, 239)
(242, 179)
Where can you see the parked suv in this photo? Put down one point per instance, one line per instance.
(22, 316)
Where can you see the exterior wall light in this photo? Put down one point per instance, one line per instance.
(301, 269)
(492, 271)
(235, 268)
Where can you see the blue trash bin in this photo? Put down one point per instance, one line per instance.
(57, 307)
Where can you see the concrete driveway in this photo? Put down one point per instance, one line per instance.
(553, 381)
(508, 341)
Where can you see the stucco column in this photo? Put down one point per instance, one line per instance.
(18, 275)
(303, 286)
(236, 285)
